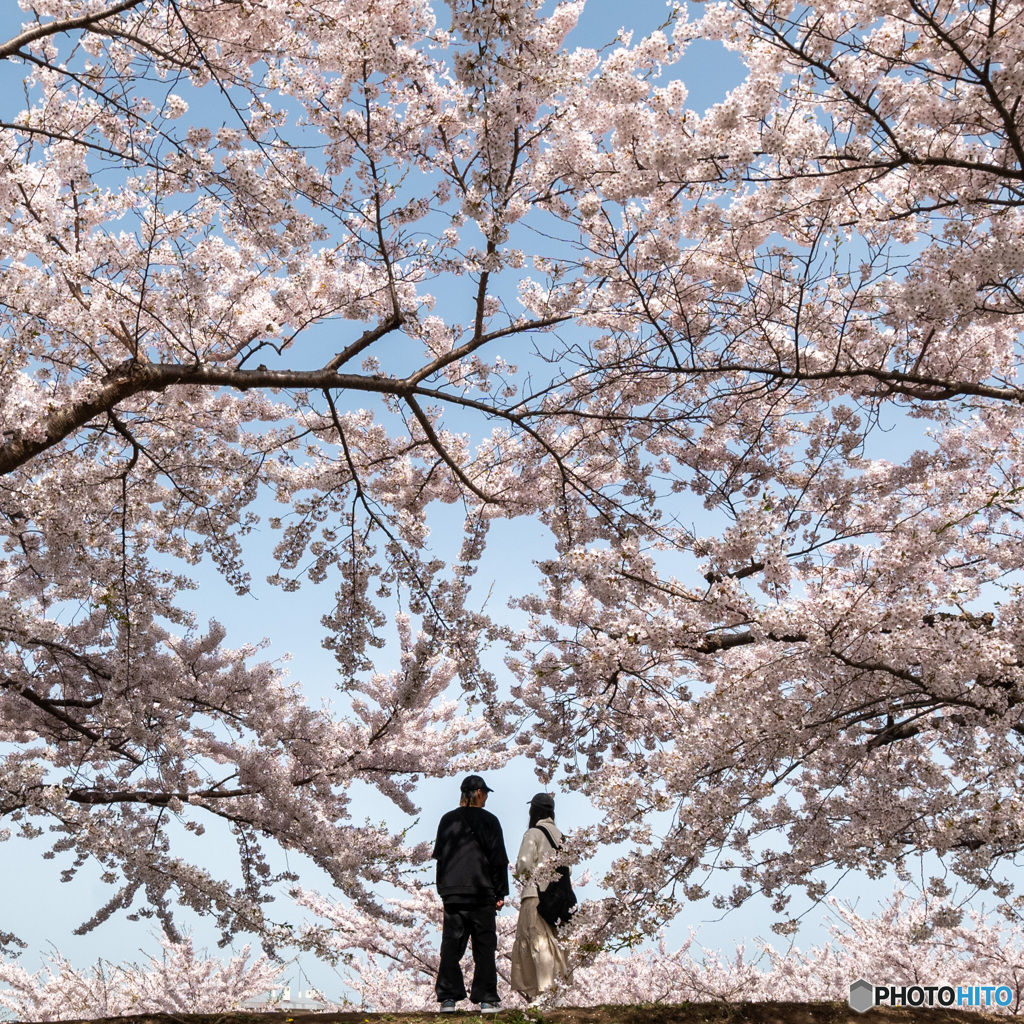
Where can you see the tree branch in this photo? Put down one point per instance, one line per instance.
(52, 28)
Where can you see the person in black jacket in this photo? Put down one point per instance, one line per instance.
(472, 881)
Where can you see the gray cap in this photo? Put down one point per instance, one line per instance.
(543, 802)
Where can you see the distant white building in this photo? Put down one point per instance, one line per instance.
(280, 998)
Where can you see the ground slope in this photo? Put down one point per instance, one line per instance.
(687, 1013)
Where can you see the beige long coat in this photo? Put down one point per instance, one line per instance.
(538, 961)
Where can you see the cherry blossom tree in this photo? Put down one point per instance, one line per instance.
(180, 981)
(810, 656)
(153, 268)
(912, 941)
(754, 369)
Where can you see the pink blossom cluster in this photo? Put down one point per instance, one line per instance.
(179, 981)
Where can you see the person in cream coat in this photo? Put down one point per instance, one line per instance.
(538, 960)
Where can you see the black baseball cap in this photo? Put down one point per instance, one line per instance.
(471, 783)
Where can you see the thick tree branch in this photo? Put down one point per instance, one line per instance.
(154, 798)
(132, 378)
(52, 28)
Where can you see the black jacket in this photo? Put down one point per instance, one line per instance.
(472, 865)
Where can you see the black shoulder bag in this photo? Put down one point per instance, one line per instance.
(557, 902)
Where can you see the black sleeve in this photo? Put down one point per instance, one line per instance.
(498, 857)
(439, 839)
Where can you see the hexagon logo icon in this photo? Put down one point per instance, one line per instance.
(862, 995)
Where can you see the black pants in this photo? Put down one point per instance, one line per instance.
(462, 923)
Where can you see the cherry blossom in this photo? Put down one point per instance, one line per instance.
(180, 981)
(909, 941)
(344, 267)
